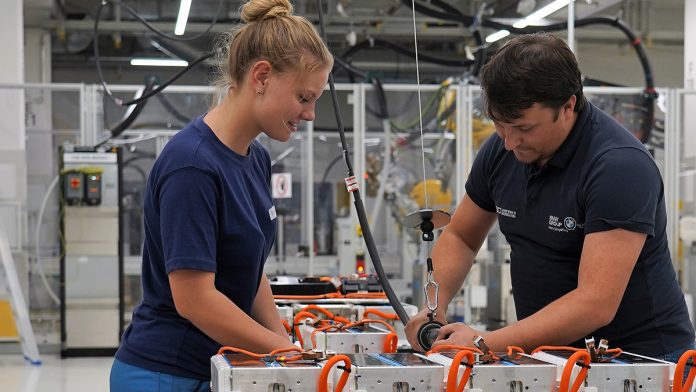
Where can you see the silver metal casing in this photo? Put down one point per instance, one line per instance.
(627, 372)
(349, 341)
(519, 372)
(240, 373)
(392, 372)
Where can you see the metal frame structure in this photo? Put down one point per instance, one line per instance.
(91, 130)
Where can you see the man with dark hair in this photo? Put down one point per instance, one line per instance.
(581, 203)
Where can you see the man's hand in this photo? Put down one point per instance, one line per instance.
(458, 334)
(414, 325)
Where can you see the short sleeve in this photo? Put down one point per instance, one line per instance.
(477, 185)
(623, 191)
(188, 200)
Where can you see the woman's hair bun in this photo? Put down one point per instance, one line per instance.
(258, 10)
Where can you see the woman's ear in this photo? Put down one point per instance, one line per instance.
(258, 76)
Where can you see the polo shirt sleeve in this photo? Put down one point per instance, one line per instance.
(623, 191)
(188, 199)
(477, 185)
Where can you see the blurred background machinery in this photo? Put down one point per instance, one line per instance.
(91, 263)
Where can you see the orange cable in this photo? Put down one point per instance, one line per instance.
(614, 351)
(296, 320)
(679, 384)
(273, 353)
(390, 343)
(323, 384)
(335, 295)
(514, 350)
(286, 350)
(370, 321)
(318, 308)
(284, 358)
(568, 370)
(444, 347)
(555, 348)
(326, 312)
(366, 295)
(239, 351)
(320, 296)
(452, 385)
(379, 313)
(303, 314)
(288, 328)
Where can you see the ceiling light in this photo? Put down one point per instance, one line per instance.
(497, 35)
(152, 62)
(181, 20)
(541, 13)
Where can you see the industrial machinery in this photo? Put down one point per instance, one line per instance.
(446, 368)
(398, 372)
(238, 372)
(614, 370)
(386, 313)
(91, 264)
(512, 372)
(345, 310)
(248, 372)
(342, 310)
(358, 337)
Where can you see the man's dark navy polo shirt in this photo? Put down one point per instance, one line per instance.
(601, 178)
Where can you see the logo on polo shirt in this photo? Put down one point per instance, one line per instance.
(567, 224)
(505, 212)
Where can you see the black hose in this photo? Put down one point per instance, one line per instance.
(97, 59)
(340, 62)
(649, 92)
(383, 113)
(123, 125)
(139, 170)
(376, 42)
(359, 207)
(169, 107)
(480, 55)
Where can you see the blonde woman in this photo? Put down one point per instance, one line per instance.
(209, 215)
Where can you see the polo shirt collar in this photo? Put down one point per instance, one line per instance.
(565, 152)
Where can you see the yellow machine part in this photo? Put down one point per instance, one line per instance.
(482, 129)
(8, 329)
(437, 198)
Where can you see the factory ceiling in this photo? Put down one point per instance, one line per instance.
(122, 36)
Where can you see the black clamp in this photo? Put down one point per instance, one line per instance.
(344, 368)
(427, 228)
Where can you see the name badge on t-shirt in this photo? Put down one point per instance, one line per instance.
(272, 213)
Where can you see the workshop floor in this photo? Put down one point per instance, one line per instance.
(55, 374)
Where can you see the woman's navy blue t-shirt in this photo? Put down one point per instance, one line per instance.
(206, 208)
